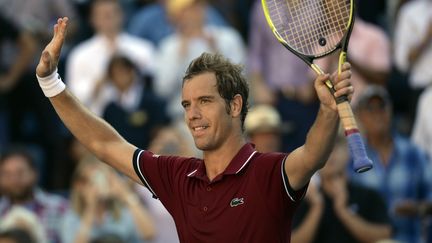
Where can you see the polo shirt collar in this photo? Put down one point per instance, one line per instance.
(237, 164)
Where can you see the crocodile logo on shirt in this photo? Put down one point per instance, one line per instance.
(236, 201)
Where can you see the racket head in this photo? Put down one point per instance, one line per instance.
(310, 28)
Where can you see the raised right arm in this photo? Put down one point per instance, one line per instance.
(93, 132)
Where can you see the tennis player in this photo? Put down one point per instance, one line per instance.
(233, 194)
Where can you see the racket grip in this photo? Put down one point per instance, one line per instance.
(361, 162)
(357, 149)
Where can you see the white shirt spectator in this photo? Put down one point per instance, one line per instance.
(422, 131)
(87, 63)
(411, 28)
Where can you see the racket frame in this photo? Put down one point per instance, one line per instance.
(356, 146)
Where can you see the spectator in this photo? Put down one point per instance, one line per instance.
(126, 103)
(413, 49)
(422, 131)
(87, 63)
(413, 36)
(30, 119)
(18, 177)
(192, 38)
(102, 204)
(153, 22)
(337, 210)
(11, 73)
(263, 126)
(402, 173)
(392, 11)
(235, 12)
(37, 16)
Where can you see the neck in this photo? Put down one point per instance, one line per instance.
(111, 36)
(216, 161)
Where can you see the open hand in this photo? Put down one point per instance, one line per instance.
(51, 54)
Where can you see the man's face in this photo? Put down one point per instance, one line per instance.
(191, 19)
(17, 178)
(106, 17)
(206, 112)
(122, 76)
(375, 117)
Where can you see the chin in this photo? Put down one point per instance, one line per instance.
(203, 145)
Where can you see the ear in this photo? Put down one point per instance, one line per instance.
(236, 105)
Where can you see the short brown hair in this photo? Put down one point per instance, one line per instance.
(230, 80)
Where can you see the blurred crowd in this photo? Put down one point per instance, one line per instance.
(124, 59)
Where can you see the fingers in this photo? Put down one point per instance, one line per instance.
(51, 53)
(322, 78)
(342, 82)
(60, 32)
(346, 66)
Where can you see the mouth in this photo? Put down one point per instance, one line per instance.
(199, 130)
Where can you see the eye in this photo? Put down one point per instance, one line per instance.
(205, 101)
(185, 105)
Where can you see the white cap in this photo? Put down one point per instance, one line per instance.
(262, 118)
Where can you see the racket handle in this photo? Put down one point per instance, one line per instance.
(361, 162)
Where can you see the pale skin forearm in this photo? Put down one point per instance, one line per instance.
(362, 230)
(305, 233)
(94, 133)
(303, 162)
(321, 137)
(314, 153)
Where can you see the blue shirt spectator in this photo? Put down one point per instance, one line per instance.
(401, 173)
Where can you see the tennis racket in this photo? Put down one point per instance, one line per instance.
(312, 29)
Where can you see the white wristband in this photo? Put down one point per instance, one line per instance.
(52, 84)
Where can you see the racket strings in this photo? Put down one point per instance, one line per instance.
(311, 27)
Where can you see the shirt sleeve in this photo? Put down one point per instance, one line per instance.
(420, 135)
(403, 41)
(274, 183)
(162, 175)
(295, 196)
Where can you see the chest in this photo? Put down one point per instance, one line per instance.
(228, 210)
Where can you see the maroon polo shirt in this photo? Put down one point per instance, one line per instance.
(251, 201)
